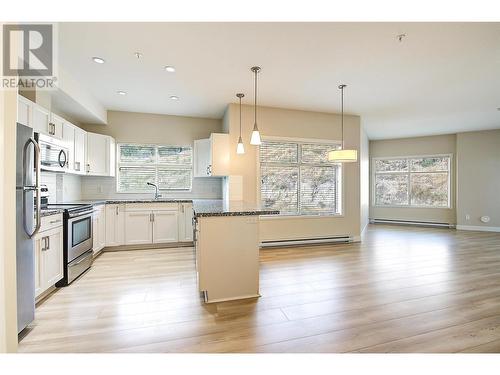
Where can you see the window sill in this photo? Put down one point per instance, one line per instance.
(294, 217)
(393, 206)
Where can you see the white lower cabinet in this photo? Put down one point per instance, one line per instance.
(185, 222)
(151, 223)
(98, 229)
(146, 223)
(115, 225)
(49, 255)
(165, 226)
(138, 228)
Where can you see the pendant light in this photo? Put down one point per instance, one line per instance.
(240, 149)
(255, 139)
(342, 155)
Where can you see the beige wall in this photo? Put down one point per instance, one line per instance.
(154, 128)
(278, 122)
(8, 294)
(441, 144)
(478, 178)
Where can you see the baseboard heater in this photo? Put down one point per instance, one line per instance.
(412, 222)
(306, 241)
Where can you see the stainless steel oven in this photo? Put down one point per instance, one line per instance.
(79, 238)
(53, 153)
(78, 253)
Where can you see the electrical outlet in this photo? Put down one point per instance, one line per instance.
(467, 217)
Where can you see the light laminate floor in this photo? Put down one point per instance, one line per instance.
(401, 290)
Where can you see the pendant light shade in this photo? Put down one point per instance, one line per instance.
(240, 149)
(342, 155)
(255, 138)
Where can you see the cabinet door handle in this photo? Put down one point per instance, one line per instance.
(116, 210)
(88, 168)
(46, 243)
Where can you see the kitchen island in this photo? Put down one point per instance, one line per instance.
(227, 248)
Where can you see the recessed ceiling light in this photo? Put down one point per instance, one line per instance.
(121, 92)
(174, 97)
(170, 69)
(98, 60)
(138, 55)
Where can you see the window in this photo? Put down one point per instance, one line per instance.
(297, 178)
(412, 182)
(170, 167)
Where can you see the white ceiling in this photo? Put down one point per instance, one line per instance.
(442, 78)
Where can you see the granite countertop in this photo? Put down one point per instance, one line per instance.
(204, 208)
(160, 200)
(201, 207)
(50, 211)
(96, 202)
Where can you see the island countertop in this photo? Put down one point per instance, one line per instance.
(219, 207)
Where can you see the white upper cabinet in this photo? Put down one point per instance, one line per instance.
(89, 153)
(212, 156)
(41, 119)
(56, 125)
(100, 155)
(24, 111)
(80, 147)
(46, 122)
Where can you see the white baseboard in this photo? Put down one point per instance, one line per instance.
(478, 228)
(356, 239)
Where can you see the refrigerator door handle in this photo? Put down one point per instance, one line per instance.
(36, 187)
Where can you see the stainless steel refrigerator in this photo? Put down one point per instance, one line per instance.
(27, 221)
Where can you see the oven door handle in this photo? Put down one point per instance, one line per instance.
(78, 214)
(80, 261)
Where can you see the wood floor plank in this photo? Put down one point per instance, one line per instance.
(402, 289)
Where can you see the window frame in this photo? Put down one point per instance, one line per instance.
(374, 173)
(156, 165)
(340, 185)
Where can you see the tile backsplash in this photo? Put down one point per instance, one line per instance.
(105, 188)
(68, 187)
(62, 187)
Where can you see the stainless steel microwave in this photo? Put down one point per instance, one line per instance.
(54, 155)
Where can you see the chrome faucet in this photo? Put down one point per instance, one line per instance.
(157, 195)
